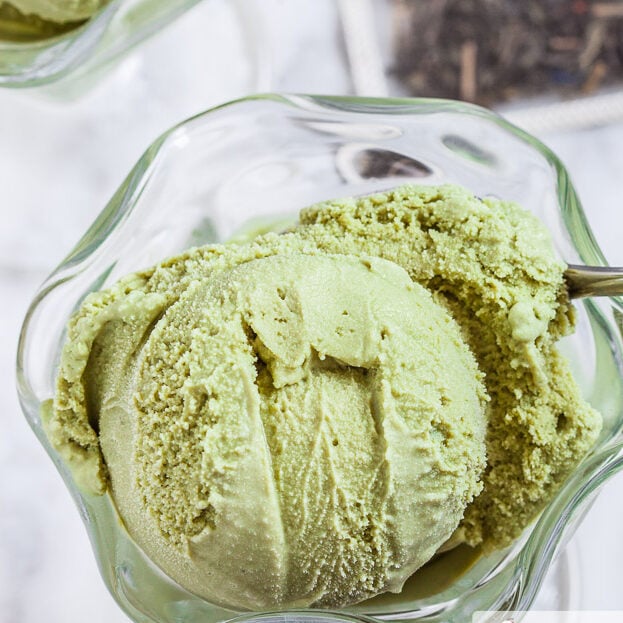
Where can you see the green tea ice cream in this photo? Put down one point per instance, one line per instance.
(59, 11)
(307, 417)
(301, 428)
(491, 264)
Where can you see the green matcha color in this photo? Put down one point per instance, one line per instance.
(491, 264)
(305, 418)
(274, 432)
(20, 28)
(57, 11)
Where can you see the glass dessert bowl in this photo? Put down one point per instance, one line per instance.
(34, 51)
(249, 166)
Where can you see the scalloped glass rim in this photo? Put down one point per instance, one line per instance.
(112, 31)
(506, 580)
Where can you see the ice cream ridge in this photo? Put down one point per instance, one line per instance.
(306, 418)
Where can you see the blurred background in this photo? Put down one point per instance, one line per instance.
(554, 67)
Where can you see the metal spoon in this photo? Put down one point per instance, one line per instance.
(585, 281)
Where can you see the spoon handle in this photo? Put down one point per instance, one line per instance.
(594, 281)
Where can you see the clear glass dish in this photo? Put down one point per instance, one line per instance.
(114, 29)
(254, 163)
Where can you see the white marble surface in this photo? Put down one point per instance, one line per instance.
(61, 161)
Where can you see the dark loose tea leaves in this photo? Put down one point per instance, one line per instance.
(490, 51)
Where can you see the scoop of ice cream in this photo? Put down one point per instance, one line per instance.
(283, 424)
(300, 429)
(492, 264)
(59, 10)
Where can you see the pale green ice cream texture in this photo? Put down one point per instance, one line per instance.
(306, 418)
(277, 440)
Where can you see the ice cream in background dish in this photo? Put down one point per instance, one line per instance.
(307, 417)
(59, 11)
